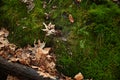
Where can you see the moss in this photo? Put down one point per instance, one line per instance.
(24, 27)
(93, 40)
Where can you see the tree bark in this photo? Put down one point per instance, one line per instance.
(20, 70)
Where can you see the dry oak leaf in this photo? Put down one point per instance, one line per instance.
(40, 50)
(49, 29)
(79, 76)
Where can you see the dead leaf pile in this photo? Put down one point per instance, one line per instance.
(38, 57)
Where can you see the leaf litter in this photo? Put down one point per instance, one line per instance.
(38, 57)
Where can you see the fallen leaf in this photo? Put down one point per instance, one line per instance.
(38, 53)
(13, 59)
(71, 18)
(37, 57)
(79, 76)
(4, 32)
(46, 50)
(49, 29)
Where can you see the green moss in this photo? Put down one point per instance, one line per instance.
(24, 27)
(93, 41)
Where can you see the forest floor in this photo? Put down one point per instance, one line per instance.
(71, 35)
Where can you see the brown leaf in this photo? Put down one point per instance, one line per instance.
(3, 42)
(39, 44)
(12, 47)
(18, 53)
(24, 61)
(79, 76)
(4, 32)
(35, 67)
(71, 18)
(36, 57)
(46, 50)
(38, 53)
(51, 65)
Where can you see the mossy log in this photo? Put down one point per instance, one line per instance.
(20, 70)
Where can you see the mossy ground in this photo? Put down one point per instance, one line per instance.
(93, 41)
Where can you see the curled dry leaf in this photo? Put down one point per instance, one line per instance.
(46, 50)
(71, 18)
(39, 44)
(79, 76)
(49, 29)
(35, 67)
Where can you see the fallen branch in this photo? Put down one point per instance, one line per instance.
(20, 70)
